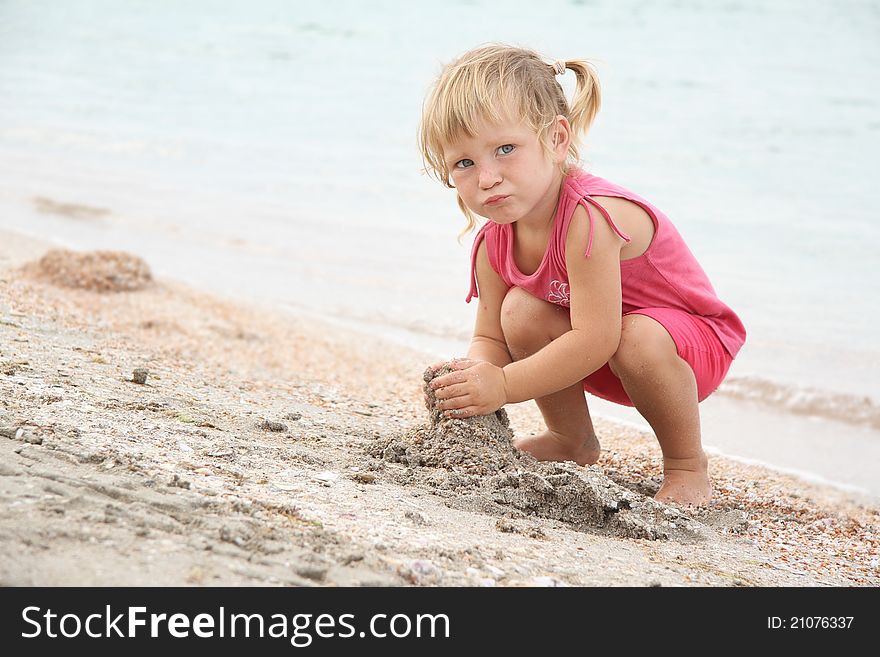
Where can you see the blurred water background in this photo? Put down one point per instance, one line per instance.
(267, 150)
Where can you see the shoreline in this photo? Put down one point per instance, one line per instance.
(625, 416)
(176, 481)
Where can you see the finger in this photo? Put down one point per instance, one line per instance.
(455, 402)
(448, 380)
(452, 363)
(461, 413)
(448, 392)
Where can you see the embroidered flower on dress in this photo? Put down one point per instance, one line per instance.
(559, 294)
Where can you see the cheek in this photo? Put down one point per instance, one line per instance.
(463, 184)
(541, 178)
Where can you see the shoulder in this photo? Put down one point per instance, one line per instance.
(578, 240)
(633, 220)
(486, 283)
(485, 272)
(622, 210)
(483, 234)
(482, 254)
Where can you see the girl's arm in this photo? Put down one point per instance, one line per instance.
(594, 285)
(488, 343)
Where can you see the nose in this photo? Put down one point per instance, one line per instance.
(489, 177)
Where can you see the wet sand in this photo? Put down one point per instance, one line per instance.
(263, 449)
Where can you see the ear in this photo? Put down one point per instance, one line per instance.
(561, 138)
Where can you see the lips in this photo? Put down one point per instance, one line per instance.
(492, 200)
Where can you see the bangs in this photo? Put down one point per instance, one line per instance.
(466, 103)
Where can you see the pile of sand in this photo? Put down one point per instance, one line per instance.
(478, 445)
(99, 271)
(481, 462)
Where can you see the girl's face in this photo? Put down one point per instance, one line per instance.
(504, 173)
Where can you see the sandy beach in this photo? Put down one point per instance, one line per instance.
(252, 454)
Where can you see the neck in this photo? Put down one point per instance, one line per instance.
(540, 220)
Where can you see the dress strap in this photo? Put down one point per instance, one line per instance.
(479, 238)
(583, 201)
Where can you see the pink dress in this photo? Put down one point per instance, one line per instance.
(665, 283)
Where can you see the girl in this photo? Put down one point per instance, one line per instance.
(583, 285)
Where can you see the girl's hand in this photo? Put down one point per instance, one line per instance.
(451, 363)
(475, 388)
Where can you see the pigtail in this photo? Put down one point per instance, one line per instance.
(586, 101)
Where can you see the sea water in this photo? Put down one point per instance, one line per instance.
(267, 150)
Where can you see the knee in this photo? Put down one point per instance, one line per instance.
(524, 319)
(644, 346)
(515, 310)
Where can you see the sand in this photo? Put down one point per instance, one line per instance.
(98, 271)
(162, 436)
(476, 460)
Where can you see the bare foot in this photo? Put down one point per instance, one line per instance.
(685, 481)
(552, 446)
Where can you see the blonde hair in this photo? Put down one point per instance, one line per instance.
(496, 81)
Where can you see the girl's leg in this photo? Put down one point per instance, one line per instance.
(530, 324)
(663, 388)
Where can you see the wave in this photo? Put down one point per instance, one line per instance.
(851, 409)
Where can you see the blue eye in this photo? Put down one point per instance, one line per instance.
(461, 164)
(506, 152)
